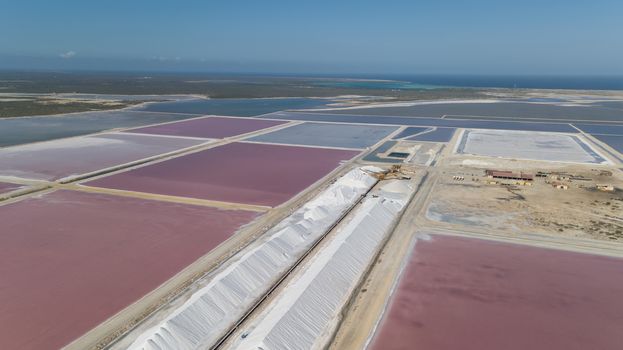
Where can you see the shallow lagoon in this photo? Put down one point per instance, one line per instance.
(245, 107)
(410, 121)
(499, 109)
(15, 131)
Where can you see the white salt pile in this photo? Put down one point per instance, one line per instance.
(306, 313)
(214, 309)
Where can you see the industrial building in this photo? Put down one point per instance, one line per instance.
(508, 175)
(605, 188)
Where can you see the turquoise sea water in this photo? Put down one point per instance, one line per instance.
(429, 81)
(378, 85)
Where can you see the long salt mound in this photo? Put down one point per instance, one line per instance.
(211, 311)
(305, 315)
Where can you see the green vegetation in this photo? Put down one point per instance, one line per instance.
(215, 86)
(36, 107)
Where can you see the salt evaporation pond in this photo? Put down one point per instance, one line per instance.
(6, 187)
(601, 129)
(209, 127)
(70, 260)
(410, 121)
(528, 145)
(15, 131)
(328, 135)
(614, 141)
(248, 173)
(240, 107)
(58, 159)
(465, 293)
(436, 109)
(410, 131)
(437, 135)
(386, 146)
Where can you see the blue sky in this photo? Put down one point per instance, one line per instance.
(454, 37)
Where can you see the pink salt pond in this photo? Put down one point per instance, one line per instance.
(70, 260)
(7, 187)
(57, 159)
(209, 127)
(461, 293)
(259, 174)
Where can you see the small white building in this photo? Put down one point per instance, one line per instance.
(605, 188)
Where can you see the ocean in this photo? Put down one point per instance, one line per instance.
(405, 82)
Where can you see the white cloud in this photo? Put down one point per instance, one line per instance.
(68, 54)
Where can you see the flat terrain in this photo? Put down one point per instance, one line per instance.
(501, 109)
(477, 294)
(214, 85)
(460, 291)
(528, 145)
(614, 141)
(57, 159)
(328, 135)
(233, 106)
(580, 211)
(70, 260)
(602, 129)
(48, 106)
(354, 116)
(237, 172)
(208, 127)
(436, 135)
(15, 131)
(377, 154)
(172, 199)
(8, 187)
(410, 131)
